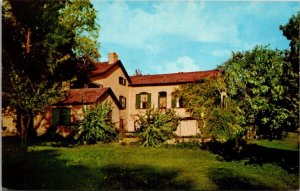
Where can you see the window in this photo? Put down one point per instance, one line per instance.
(108, 118)
(143, 100)
(162, 100)
(122, 100)
(223, 100)
(122, 81)
(177, 102)
(61, 116)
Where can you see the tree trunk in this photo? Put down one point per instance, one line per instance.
(28, 36)
(26, 130)
(22, 128)
(25, 125)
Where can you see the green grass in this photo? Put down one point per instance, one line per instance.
(291, 142)
(112, 166)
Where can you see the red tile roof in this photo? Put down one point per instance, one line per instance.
(174, 78)
(79, 96)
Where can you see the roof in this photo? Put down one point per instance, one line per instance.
(102, 68)
(173, 78)
(80, 96)
(87, 96)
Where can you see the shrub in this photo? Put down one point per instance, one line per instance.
(223, 124)
(155, 126)
(96, 126)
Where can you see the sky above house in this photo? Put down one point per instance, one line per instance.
(180, 36)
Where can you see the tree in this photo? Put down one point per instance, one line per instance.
(39, 52)
(217, 116)
(155, 126)
(79, 16)
(291, 70)
(138, 72)
(254, 81)
(96, 126)
(29, 100)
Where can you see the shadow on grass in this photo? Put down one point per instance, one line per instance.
(47, 170)
(227, 179)
(256, 154)
(142, 178)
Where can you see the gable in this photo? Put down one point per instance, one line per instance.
(88, 96)
(104, 70)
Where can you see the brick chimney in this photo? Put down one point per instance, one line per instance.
(112, 57)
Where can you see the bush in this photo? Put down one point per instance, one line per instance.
(223, 124)
(156, 127)
(96, 126)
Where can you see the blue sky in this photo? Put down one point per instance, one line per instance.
(181, 36)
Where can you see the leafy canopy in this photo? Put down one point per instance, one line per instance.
(254, 81)
(40, 51)
(291, 70)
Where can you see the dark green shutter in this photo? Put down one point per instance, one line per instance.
(124, 102)
(149, 101)
(174, 102)
(67, 116)
(137, 101)
(158, 102)
(180, 102)
(55, 116)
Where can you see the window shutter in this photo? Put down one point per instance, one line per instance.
(180, 102)
(137, 101)
(124, 102)
(55, 116)
(68, 116)
(149, 101)
(158, 102)
(174, 102)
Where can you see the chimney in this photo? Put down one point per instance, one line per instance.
(112, 58)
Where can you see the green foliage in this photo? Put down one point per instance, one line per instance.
(203, 101)
(291, 32)
(30, 99)
(40, 51)
(96, 126)
(79, 16)
(254, 81)
(291, 70)
(223, 124)
(155, 126)
(200, 97)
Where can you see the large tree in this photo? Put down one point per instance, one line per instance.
(40, 50)
(291, 69)
(254, 80)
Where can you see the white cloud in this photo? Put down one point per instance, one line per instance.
(182, 64)
(133, 27)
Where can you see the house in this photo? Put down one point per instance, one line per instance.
(130, 95)
(71, 109)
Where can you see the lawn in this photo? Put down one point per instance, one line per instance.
(113, 166)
